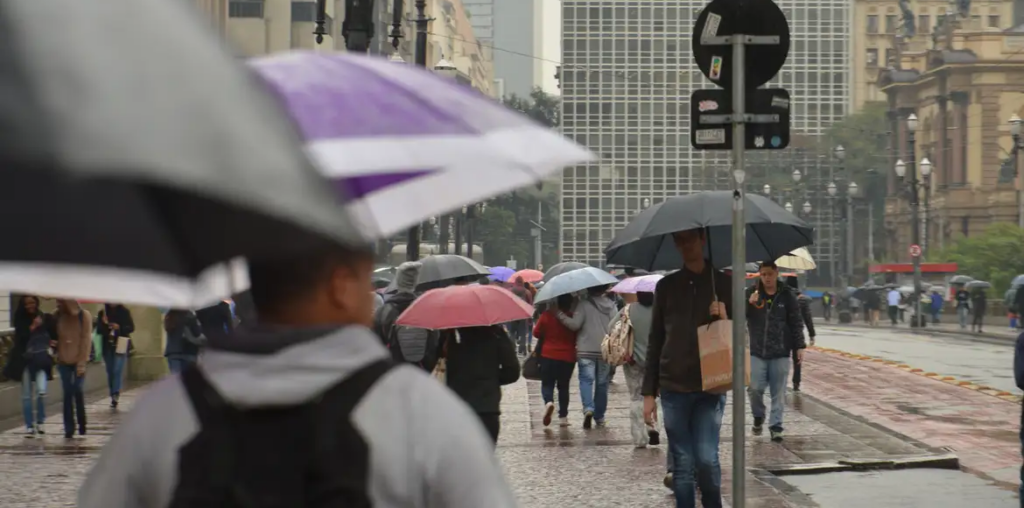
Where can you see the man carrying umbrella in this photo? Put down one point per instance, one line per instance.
(684, 301)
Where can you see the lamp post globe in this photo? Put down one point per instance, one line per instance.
(832, 189)
(789, 207)
(912, 123)
(1015, 123)
(853, 188)
(807, 207)
(767, 189)
(901, 168)
(840, 152)
(797, 175)
(926, 167)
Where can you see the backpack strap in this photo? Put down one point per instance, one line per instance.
(215, 415)
(339, 401)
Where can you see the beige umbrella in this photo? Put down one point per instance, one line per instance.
(799, 259)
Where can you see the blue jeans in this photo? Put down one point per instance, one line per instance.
(28, 382)
(963, 313)
(115, 370)
(74, 399)
(770, 374)
(593, 376)
(178, 363)
(693, 422)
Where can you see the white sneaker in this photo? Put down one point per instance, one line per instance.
(549, 409)
(563, 422)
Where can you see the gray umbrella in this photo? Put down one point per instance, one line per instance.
(960, 279)
(561, 268)
(143, 148)
(571, 282)
(440, 269)
(646, 242)
(978, 284)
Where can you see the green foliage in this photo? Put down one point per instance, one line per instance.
(540, 106)
(996, 256)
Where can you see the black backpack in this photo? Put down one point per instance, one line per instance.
(300, 456)
(417, 346)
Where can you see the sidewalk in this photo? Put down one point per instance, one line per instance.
(1001, 331)
(600, 467)
(981, 429)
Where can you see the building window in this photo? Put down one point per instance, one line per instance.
(993, 21)
(245, 9)
(872, 57)
(303, 12)
(890, 23)
(924, 24)
(872, 24)
(890, 58)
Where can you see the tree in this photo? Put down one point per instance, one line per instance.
(540, 106)
(994, 256)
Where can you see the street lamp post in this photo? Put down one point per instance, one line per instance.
(1015, 128)
(908, 174)
(851, 191)
(840, 154)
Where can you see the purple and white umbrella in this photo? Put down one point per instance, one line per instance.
(642, 284)
(403, 143)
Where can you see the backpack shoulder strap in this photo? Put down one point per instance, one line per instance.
(339, 401)
(214, 415)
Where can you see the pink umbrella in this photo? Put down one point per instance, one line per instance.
(642, 284)
(464, 306)
(528, 275)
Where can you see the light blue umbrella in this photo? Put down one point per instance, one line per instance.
(571, 282)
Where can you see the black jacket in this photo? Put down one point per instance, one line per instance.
(115, 314)
(775, 328)
(805, 313)
(479, 363)
(22, 321)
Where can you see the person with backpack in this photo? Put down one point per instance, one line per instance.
(303, 409)
(589, 320)
(115, 326)
(184, 338)
(74, 341)
(637, 316)
(804, 303)
(556, 350)
(479, 361)
(407, 344)
(32, 336)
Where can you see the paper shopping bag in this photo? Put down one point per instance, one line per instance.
(715, 343)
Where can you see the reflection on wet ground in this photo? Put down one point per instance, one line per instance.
(934, 488)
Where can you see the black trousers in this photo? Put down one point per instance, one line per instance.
(556, 373)
(492, 422)
(796, 369)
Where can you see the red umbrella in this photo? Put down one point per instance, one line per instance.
(464, 306)
(528, 275)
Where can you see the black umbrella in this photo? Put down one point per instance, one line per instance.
(646, 242)
(442, 269)
(561, 268)
(127, 183)
(960, 279)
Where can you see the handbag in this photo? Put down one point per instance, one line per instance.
(531, 368)
(122, 345)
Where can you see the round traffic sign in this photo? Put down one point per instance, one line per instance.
(915, 251)
(748, 17)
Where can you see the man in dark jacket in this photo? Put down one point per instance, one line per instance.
(480, 360)
(684, 301)
(808, 318)
(776, 332)
(1018, 376)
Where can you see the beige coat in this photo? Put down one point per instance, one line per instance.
(74, 336)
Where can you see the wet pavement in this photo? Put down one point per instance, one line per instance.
(981, 429)
(986, 362)
(47, 470)
(899, 489)
(600, 467)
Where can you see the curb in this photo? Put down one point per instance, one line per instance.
(940, 461)
(970, 385)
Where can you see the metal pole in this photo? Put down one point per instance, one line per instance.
(849, 236)
(833, 254)
(458, 232)
(470, 219)
(739, 258)
(412, 247)
(871, 231)
(537, 246)
(915, 229)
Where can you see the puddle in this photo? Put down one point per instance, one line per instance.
(934, 488)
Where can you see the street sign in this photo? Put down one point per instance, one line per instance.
(767, 119)
(723, 18)
(915, 251)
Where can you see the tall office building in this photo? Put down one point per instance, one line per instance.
(626, 77)
(510, 34)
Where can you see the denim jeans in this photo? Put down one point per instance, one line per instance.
(962, 313)
(115, 370)
(770, 374)
(178, 363)
(593, 376)
(556, 373)
(74, 399)
(693, 422)
(38, 383)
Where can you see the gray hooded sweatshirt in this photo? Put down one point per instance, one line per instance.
(590, 321)
(427, 449)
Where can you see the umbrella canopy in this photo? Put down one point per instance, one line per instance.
(646, 242)
(799, 259)
(500, 273)
(1018, 281)
(571, 282)
(561, 268)
(128, 183)
(465, 306)
(642, 284)
(443, 268)
(528, 275)
(978, 284)
(406, 143)
(960, 279)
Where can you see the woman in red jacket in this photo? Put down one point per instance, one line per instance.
(556, 348)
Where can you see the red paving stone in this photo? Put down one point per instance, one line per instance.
(981, 429)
